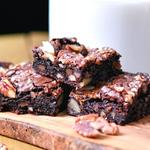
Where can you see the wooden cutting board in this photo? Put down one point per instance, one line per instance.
(56, 133)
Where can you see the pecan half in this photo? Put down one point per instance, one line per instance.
(6, 88)
(91, 125)
(84, 128)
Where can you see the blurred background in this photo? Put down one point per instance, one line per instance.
(23, 25)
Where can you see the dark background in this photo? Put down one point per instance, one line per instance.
(23, 16)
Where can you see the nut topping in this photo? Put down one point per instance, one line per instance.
(47, 47)
(6, 88)
(71, 78)
(85, 82)
(48, 50)
(74, 47)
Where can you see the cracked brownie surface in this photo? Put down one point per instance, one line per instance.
(122, 99)
(68, 61)
(24, 91)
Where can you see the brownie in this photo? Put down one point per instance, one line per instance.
(72, 63)
(25, 91)
(122, 99)
(5, 65)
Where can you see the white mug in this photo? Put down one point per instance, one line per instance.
(120, 24)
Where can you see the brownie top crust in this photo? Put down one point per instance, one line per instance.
(67, 51)
(122, 88)
(22, 78)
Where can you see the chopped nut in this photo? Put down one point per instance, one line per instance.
(30, 109)
(118, 88)
(47, 47)
(59, 76)
(102, 114)
(71, 78)
(74, 106)
(48, 50)
(6, 88)
(128, 99)
(61, 66)
(76, 48)
(113, 115)
(49, 56)
(84, 82)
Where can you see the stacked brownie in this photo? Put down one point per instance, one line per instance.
(91, 80)
(22, 90)
(98, 83)
(74, 64)
(121, 99)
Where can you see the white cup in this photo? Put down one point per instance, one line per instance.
(121, 24)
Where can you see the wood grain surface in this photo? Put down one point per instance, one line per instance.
(56, 133)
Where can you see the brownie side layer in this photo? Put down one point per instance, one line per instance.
(123, 99)
(74, 64)
(24, 91)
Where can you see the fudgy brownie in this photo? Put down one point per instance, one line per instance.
(72, 63)
(24, 91)
(5, 65)
(122, 99)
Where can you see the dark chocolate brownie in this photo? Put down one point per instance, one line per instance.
(72, 63)
(24, 91)
(5, 65)
(122, 99)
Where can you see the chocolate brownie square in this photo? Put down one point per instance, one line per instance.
(122, 99)
(72, 63)
(5, 65)
(24, 91)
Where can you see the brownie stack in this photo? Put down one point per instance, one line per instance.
(97, 81)
(89, 80)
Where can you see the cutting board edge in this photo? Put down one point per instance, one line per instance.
(45, 138)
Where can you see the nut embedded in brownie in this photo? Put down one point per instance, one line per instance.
(72, 63)
(122, 99)
(24, 91)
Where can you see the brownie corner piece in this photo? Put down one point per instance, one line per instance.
(70, 62)
(5, 64)
(25, 91)
(122, 99)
